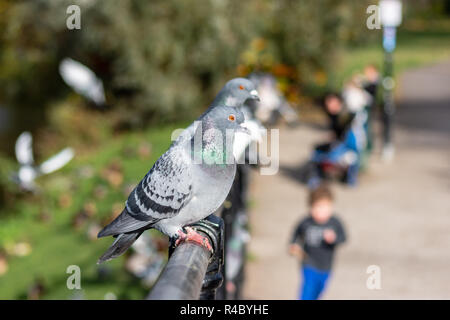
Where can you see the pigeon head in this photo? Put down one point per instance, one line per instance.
(236, 92)
(224, 118)
(217, 130)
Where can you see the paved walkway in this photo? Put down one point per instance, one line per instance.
(397, 218)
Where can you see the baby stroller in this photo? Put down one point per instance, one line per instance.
(337, 160)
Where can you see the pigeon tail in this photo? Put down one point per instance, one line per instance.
(122, 224)
(119, 246)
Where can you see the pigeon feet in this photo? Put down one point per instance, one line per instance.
(192, 236)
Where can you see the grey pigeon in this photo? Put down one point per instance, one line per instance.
(180, 190)
(233, 94)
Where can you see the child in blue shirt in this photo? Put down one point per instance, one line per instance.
(314, 241)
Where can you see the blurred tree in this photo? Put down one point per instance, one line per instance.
(164, 59)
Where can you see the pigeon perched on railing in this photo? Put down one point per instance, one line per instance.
(83, 80)
(186, 184)
(28, 171)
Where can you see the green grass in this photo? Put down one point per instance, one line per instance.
(56, 244)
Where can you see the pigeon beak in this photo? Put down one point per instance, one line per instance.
(243, 128)
(254, 95)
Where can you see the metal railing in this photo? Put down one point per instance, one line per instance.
(192, 271)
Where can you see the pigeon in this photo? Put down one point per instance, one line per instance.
(28, 171)
(233, 94)
(179, 189)
(83, 80)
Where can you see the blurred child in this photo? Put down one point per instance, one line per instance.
(371, 80)
(343, 151)
(359, 101)
(339, 121)
(314, 242)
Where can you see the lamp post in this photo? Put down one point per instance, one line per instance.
(391, 18)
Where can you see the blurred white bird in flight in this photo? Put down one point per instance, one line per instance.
(28, 171)
(83, 80)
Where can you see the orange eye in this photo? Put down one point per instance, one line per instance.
(241, 87)
(231, 117)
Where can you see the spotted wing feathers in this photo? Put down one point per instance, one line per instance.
(161, 194)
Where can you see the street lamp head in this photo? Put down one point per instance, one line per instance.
(390, 13)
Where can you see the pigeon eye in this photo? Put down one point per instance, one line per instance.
(241, 87)
(231, 117)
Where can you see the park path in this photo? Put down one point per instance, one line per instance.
(398, 218)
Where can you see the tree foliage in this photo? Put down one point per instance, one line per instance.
(162, 59)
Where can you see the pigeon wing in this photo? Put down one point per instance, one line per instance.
(24, 151)
(83, 80)
(161, 194)
(165, 189)
(57, 161)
